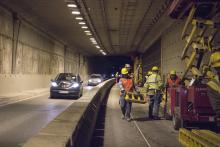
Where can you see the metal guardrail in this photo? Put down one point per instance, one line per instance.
(199, 138)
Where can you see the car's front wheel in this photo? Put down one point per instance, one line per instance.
(52, 95)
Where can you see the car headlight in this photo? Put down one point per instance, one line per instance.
(90, 80)
(99, 80)
(54, 84)
(75, 85)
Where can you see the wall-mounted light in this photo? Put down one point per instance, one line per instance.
(75, 12)
(71, 5)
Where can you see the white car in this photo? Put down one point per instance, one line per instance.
(95, 79)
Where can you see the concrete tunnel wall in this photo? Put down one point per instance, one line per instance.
(166, 51)
(38, 57)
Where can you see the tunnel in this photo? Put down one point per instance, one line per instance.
(102, 73)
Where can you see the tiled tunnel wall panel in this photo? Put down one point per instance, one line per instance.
(171, 48)
(38, 57)
(152, 57)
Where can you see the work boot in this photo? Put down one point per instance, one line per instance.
(122, 117)
(129, 119)
(156, 118)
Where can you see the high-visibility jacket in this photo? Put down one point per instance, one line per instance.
(174, 83)
(126, 84)
(153, 82)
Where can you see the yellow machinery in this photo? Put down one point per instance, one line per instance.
(138, 71)
(135, 98)
(199, 32)
(199, 138)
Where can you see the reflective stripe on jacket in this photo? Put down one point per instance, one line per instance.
(154, 82)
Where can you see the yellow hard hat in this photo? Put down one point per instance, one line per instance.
(155, 68)
(215, 59)
(124, 71)
(149, 73)
(172, 72)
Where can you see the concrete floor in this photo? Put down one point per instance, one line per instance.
(22, 120)
(140, 132)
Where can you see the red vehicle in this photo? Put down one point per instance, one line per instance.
(190, 105)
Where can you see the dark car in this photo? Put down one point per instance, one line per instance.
(66, 84)
(95, 79)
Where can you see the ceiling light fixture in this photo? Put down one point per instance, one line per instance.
(97, 46)
(71, 5)
(89, 34)
(82, 23)
(79, 18)
(75, 12)
(84, 27)
(87, 31)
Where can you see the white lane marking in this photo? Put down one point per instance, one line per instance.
(32, 97)
(142, 134)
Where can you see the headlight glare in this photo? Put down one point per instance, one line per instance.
(54, 84)
(75, 85)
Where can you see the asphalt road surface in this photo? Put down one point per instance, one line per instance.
(24, 119)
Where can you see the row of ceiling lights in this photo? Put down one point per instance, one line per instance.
(76, 12)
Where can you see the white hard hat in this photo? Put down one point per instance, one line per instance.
(127, 66)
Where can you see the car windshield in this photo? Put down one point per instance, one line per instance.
(95, 76)
(66, 77)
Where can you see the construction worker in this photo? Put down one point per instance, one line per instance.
(126, 84)
(128, 67)
(173, 80)
(214, 84)
(153, 86)
(147, 75)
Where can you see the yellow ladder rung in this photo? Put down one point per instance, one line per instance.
(209, 136)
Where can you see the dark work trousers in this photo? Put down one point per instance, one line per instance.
(214, 98)
(125, 107)
(154, 105)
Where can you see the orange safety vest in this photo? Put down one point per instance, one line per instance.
(127, 84)
(173, 83)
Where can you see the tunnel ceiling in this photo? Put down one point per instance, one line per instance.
(119, 26)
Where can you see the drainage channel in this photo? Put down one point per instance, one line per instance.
(98, 134)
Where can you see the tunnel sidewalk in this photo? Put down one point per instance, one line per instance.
(6, 99)
(140, 132)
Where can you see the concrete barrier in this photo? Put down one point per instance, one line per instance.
(74, 126)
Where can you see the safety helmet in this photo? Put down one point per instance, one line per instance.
(149, 73)
(124, 71)
(127, 66)
(155, 68)
(172, 72)
(215, 59)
